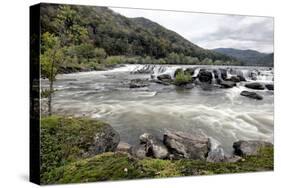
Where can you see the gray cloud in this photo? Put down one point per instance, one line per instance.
(214, 30)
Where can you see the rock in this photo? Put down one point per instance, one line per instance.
(138, 83)
(123, 147)
(223, 73)
(104, 141)
(216, 155)
(138, 151)
(205, 76)
(161, 82)
(226, 84)
(252, 95)
(154, 147)
(234, 79)
(207, 86)
(188, 86)
(241, 78)
(187, 145)
(248, 148)
(255, 85)
(164, 77)
(269, 86)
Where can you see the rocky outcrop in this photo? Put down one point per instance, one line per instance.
(255, 85)
(187, 145)
(269, 86)
(138, 151)
(248, 148)
(252, 95)
(123, 147)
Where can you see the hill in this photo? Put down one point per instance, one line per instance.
(248, 57)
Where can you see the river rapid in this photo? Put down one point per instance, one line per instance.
(222, 114)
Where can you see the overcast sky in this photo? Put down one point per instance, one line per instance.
(213, 30)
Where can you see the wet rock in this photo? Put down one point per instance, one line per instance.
(252, 95)
(188, 86)
(255, 85)
(123, 147)
(269, 86)
(248, 148)
(205, 76)
(187, 145)
(241, 78)
(226, 84)
(154, 147)
(164, 77)
(138, 83)
(234, 79)
(223, 73)
(162, 82)
(189, 71)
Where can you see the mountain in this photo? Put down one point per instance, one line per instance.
(119, 35)
(248, 57)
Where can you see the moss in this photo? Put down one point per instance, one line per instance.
(117, 166)
(64, 140)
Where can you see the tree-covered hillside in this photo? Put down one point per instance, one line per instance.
(248, 57)
(94, 37)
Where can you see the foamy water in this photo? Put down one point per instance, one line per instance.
(221, 114)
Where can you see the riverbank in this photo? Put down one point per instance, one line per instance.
(84, 150)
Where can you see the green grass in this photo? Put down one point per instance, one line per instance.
(117, 166)
(64, 140)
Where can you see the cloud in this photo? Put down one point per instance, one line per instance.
(213, 30)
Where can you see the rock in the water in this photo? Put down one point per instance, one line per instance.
(138, 151)
(223, 73)
(269, 86)
(255, 85)
(137, 83)
(226, 84)
(205, 76)
(154, 147)
(189, 71)
(247, 148)
(123, 147)
(216, 155)
(187, 145)
(234, 79)
(241, 78)
(164, 77)
(252, 95)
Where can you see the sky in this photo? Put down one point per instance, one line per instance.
(213, 30)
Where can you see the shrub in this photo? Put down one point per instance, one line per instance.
(182, 78)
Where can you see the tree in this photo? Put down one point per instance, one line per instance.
(50, 58)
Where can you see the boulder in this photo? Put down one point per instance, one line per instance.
(153, 147)
(234, 79)
(187, 145)
(255, 85)
(248, 148)
(223, 73)
(123, 147)
(241, 78)
(269, 86)
(252, 95)
(205, 76)
(138, 83)
(226, 84)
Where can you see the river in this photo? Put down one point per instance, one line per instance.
(222, 114)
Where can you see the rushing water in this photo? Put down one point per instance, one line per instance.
(221, 114)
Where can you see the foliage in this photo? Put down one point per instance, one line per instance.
(64, 140)
(120, 166)
(182, 78)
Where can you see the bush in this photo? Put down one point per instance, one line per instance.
(182, 78)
